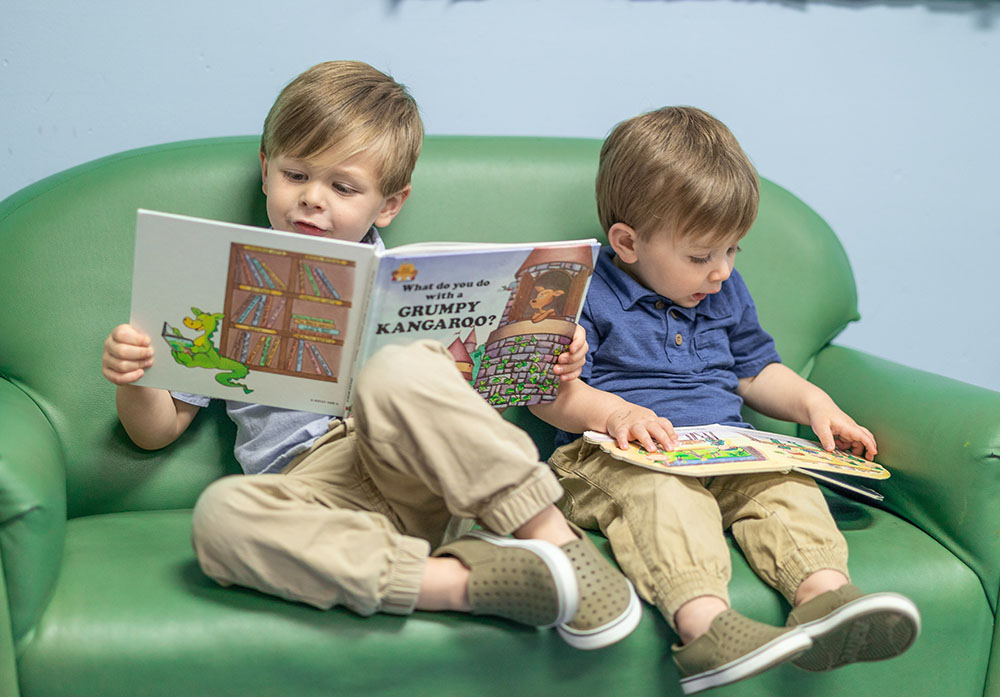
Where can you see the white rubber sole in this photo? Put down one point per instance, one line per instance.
(607, 634)
(559, 566)
(773, 653)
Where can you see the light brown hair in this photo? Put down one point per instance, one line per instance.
(679, 169)
(351, 106)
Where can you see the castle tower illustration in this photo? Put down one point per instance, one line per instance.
(461, 351)
(536, 326)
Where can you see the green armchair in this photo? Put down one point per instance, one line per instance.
(100, 594)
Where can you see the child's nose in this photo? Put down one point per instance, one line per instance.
(722, 271)
(311, 195)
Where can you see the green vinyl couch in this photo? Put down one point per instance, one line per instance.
(100, 594)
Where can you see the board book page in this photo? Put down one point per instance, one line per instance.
(716, 450)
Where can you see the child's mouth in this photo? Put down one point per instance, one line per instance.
(309, 229)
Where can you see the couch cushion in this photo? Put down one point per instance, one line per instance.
(133, 614)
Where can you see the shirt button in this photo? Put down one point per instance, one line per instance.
(660, 305)
(678, 339)
(673, 313)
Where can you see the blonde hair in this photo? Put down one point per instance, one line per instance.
(679, 169)
(351, 106)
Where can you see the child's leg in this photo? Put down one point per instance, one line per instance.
(666, 532)
(313, 534)
(428, 441)
(309, 535)
(785, 528)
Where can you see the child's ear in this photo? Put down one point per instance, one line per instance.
(393, 204)
(622, 238)
(263, 172)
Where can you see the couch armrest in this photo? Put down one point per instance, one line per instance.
(32, 507)
(940, 439)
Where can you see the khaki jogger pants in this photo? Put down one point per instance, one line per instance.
(352, 521)
(666, 531)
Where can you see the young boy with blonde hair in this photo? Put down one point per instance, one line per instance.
(348, 511)
(674, 340)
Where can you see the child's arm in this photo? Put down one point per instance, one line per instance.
(151, 417)
(578, 407)
(779, 392)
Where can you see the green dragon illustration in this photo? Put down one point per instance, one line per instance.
(201, 352)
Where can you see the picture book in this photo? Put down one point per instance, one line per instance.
(715, 450)
(262, 316)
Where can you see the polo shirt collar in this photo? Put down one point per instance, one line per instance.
(630, 292)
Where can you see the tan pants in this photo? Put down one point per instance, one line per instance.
(353, 520)
(666, 530)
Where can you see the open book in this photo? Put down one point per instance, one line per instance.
(714, 450)
(277, 318)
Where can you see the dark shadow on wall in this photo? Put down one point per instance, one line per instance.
(985, 13)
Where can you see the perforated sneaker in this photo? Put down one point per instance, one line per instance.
(847, 626)
(609, 608)
(735, 648)
(527, 581)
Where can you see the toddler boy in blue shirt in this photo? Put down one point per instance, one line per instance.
(674, 340)
(347, 512)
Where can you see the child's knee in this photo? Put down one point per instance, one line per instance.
(215, 519)
(399, 368)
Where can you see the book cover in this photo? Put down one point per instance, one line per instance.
(716, 450)
(256, 315)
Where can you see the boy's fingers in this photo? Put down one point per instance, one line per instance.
(825, 436)
(869, 440)
(129, 352)
(122, 378)
(127, 334)
(671, 433)
(665, 436)
(620, 434)
(566, 377)
(644, 437)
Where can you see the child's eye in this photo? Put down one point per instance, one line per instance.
(701, 260)
(733, 250)
(294, 176)
(342, 188)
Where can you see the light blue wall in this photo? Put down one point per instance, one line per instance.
(885, 117)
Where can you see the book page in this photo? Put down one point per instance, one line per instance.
(713, 450)
(505, 312)
(245, 313)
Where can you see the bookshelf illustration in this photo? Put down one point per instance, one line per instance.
(286, 312)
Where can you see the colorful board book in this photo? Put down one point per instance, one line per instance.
(715, 450)
(262, 316)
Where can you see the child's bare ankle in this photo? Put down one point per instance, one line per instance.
(694, 617)
(548, 525)
(444, 586)
(817, 583)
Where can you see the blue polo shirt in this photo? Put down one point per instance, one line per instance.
(683, 363)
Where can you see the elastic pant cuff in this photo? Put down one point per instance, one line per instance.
(805, 562)
(689, 587)
(405, 576)
(515, 507)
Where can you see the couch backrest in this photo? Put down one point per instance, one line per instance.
(66, 271)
